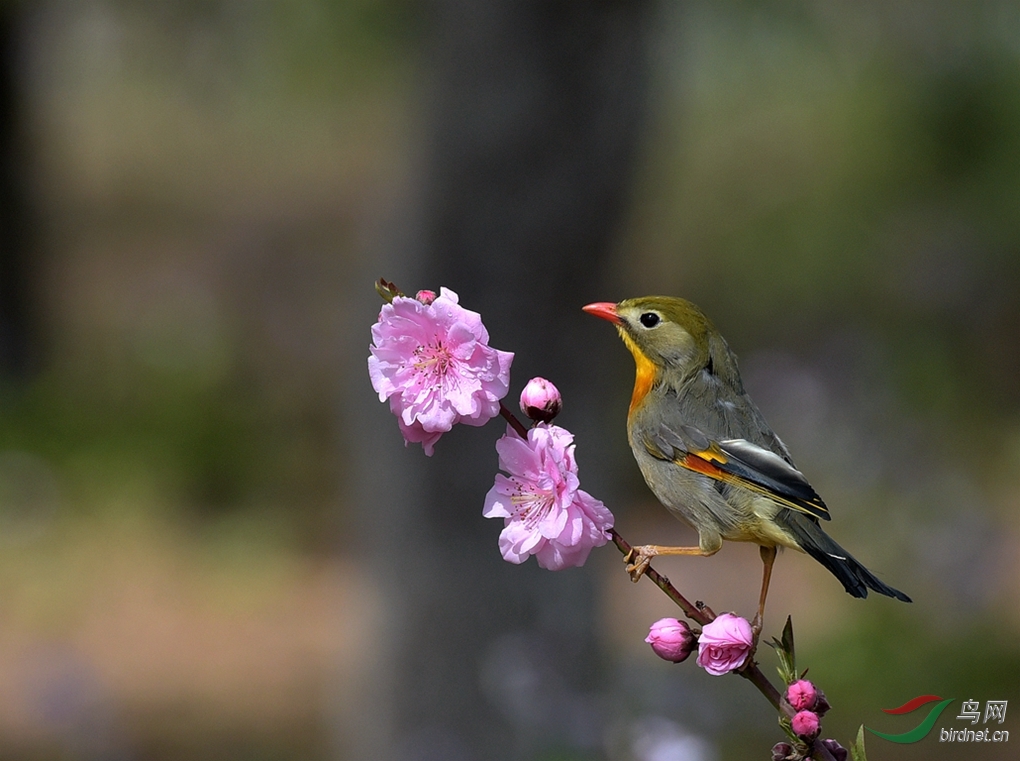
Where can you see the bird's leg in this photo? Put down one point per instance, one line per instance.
(768, 557)
(639, 557)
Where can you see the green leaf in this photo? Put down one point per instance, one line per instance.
(784, 723)
(788, 638)
(785, 650)
(857, 747)
(386, 290)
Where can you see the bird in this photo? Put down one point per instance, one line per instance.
(707, 453)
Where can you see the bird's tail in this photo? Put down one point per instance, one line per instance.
(855, 578)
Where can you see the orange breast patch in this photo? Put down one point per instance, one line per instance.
(645, 377)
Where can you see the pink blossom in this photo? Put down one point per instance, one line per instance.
(541, 400)
(805, 724)
(545, 512)
(425, 297)
(433, 362)
(671, 639)
(801, 694)
(725, 644)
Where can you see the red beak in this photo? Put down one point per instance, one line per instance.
(605, 310)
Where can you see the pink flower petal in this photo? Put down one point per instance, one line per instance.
(434, 365)
(544, 512)
(725, 644)
(415, 434)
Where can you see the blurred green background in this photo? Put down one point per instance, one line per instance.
(206, 185)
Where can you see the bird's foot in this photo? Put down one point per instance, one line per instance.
(638, 559)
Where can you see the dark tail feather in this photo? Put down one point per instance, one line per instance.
(855, 578)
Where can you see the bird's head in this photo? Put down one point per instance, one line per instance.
(669, 333)
(671, 340)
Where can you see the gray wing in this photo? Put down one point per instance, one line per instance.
(720, 444)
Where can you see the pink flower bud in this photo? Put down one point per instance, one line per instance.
(838, 751)
(541, 400)
(672, 640)
(725, 644)
(806, 724)
(426, 297)
(801, 695)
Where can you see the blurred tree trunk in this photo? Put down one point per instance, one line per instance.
(16, 351)
(535, 112)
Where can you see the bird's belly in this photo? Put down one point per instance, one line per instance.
(690, 496)
(758, 522)
(715, 509)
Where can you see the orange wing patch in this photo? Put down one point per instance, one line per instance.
(705, 463)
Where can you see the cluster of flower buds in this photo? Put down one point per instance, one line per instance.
(807, 704)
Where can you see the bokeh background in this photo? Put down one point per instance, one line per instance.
(212, 541)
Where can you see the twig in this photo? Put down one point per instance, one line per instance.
(704, 615)
(516, 424)
(696, 612)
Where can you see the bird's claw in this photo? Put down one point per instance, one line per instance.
(637, 561)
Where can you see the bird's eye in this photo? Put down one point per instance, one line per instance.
(649, 319)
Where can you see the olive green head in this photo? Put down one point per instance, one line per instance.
(670, 332)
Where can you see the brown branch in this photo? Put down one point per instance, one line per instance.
(754, 675)
(516, 424)
(703, 615)
(695, 611)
